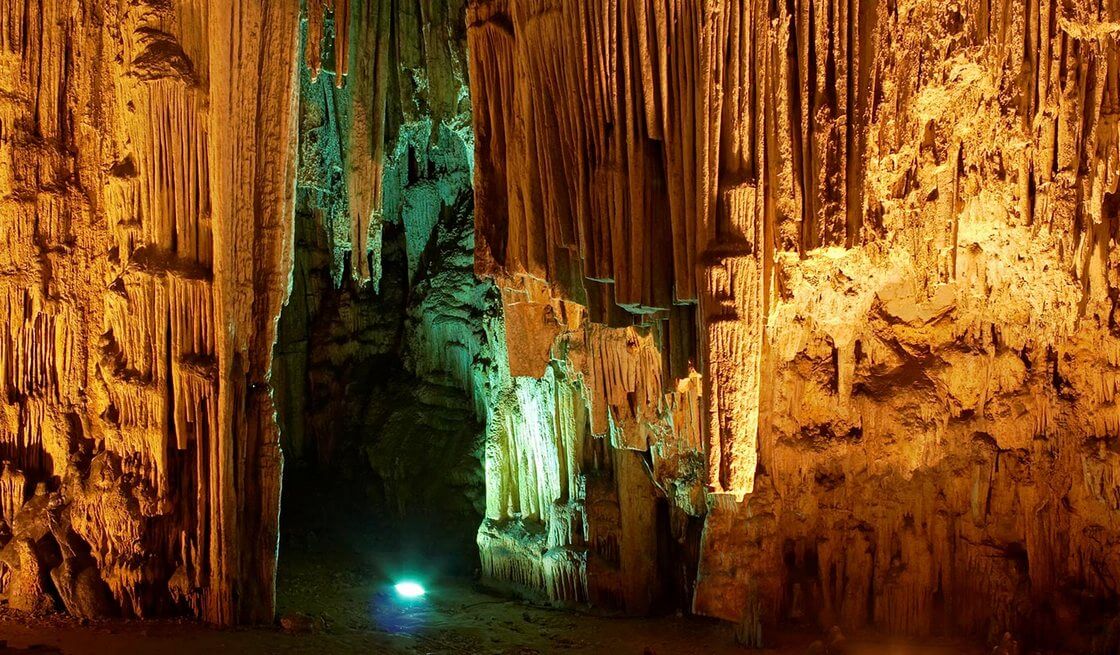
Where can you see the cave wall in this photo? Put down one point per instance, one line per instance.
(147, 159)
(837, 280)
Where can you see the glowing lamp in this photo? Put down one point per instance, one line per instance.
(409, 589)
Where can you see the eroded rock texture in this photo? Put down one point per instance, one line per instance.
(837, 279)
(147, 155)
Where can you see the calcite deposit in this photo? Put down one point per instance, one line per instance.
(775, 312)
(836, 279)
(147, 154)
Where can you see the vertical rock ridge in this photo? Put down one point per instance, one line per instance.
(879, 233)
(145, 254)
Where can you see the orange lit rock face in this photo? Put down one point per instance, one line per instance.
(146, 172)
(881, 234)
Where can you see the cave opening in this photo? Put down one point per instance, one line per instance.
(384, 484)
(383, 480)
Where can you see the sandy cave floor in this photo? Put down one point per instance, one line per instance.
(335, 572)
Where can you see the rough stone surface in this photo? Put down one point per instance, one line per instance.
(849, 267)
(146, 165)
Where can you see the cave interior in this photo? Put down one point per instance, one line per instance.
(535, 326)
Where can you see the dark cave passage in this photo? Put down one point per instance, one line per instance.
(383, 472)
(380, 427)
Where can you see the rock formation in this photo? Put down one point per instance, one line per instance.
(837, 279)
(789, 311)
(146, 166)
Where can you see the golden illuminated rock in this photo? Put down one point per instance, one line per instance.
(883, 235)
(146, 168)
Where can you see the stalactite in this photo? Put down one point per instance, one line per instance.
(895, 223)
(361, 33)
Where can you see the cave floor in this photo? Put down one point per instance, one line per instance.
(337, 561)
(455, 620)
(353, 613)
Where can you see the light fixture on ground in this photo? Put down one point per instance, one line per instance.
(409, 589)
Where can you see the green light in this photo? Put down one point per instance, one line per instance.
(409, 589)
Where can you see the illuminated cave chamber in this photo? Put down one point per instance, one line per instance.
(784, 311)
(376, 365)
